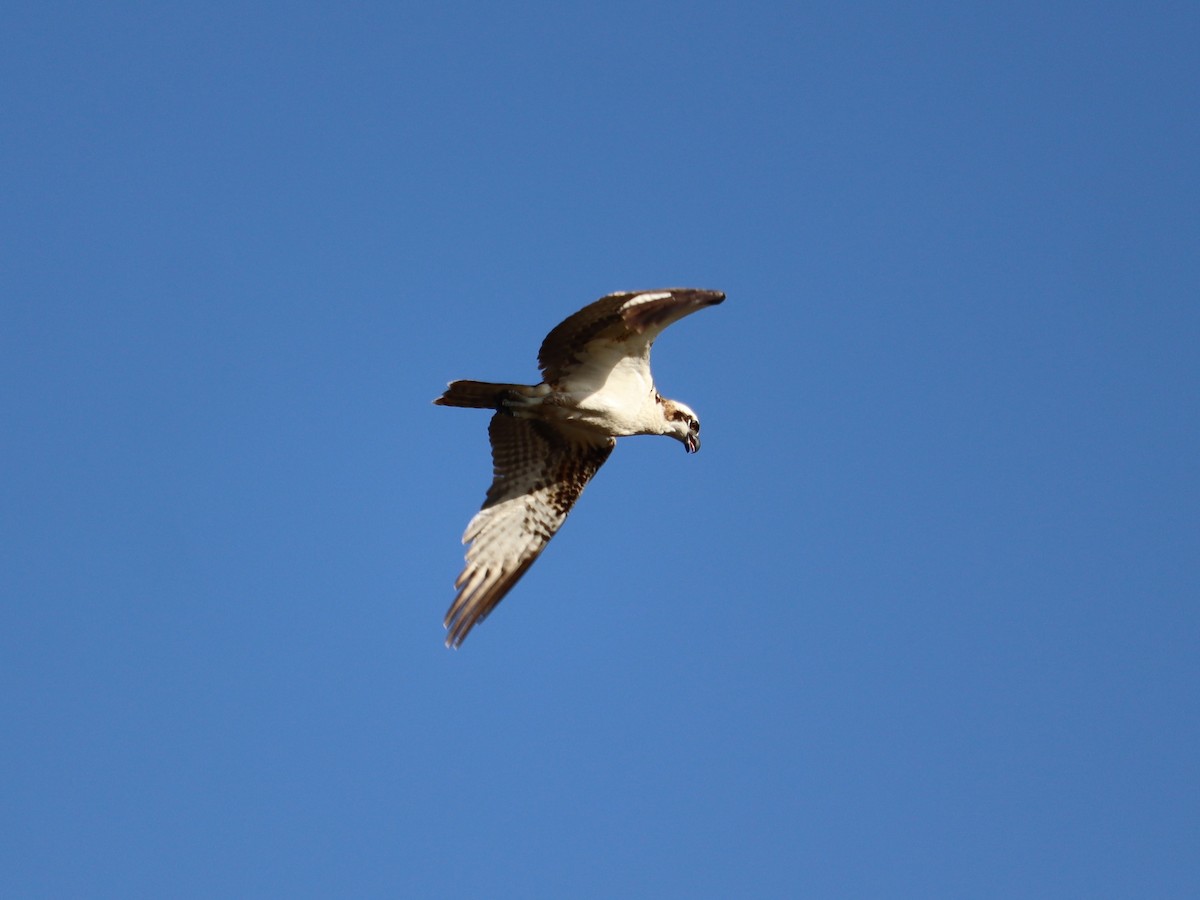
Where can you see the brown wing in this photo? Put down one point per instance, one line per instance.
(636, 317)
(539, 474)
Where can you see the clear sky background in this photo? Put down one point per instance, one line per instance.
(920, 620)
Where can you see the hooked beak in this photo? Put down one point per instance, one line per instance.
(691, 443)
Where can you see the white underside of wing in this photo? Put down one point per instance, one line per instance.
(504, 540)
(615, 383)
(539, 473)
(505, 534)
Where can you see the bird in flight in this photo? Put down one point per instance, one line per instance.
(549, 439)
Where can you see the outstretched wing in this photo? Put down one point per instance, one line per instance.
(539, 473)
(617, 328)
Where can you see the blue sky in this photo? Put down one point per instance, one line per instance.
(920, 620)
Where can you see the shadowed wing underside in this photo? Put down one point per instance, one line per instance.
(539, 473)
(626, 322)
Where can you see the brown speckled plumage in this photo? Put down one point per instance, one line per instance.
(548, 440)
(539, 473)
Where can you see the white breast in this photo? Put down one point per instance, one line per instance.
(613, 386)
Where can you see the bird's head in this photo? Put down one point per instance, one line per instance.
(682, 424)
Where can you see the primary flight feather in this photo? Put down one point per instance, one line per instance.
(549, 439)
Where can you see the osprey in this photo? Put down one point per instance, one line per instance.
(549, 439)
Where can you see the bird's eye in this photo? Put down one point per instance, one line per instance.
(694, 425)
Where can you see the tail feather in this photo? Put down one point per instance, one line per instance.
(478, 394)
